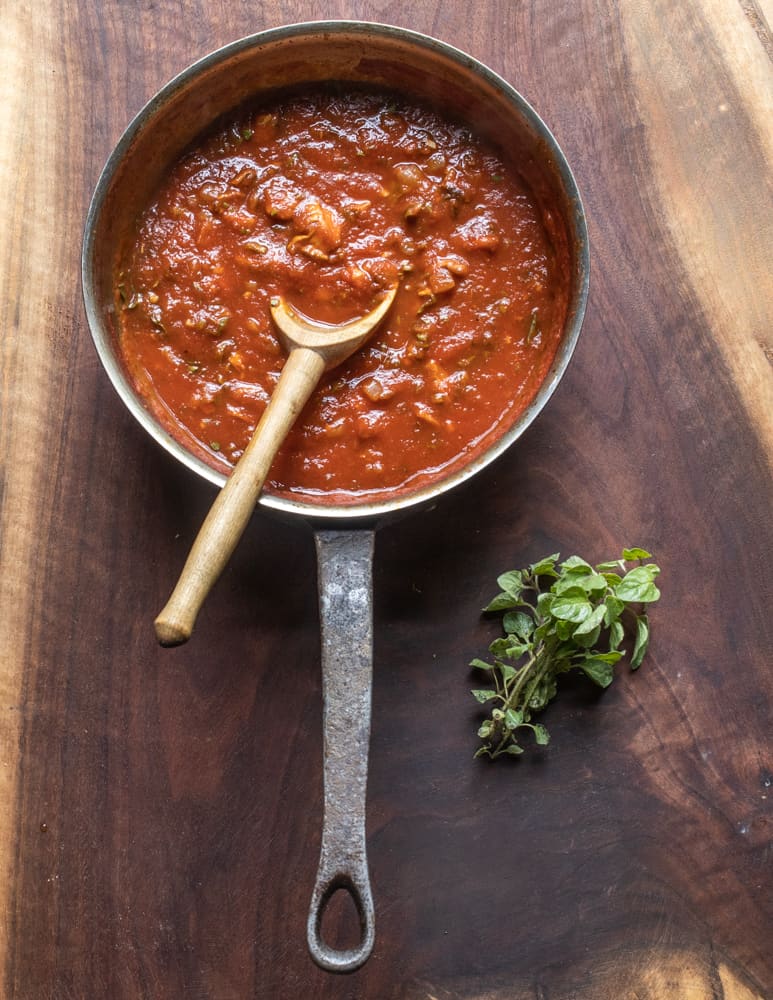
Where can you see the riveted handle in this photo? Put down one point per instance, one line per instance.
(345, 575)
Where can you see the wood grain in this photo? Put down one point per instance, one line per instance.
(161, 809)
(722, 238)
(36, 312)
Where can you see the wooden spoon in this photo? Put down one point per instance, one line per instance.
(313, 349)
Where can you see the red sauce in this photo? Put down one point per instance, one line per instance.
(327, 198)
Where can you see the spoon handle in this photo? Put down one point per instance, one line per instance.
(228, 517)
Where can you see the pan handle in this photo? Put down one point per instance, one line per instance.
(345, 582)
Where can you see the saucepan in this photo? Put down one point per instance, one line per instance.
(454, 82)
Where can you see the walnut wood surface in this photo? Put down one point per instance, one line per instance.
(160, 811)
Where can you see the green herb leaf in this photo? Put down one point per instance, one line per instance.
(629, 554)
(545, 567)
(599, 671)
(544, 603)
(484, 694)
(616, 634)
(569, 616)
(613, 608)
(587, 639)
(569, 583)
(511, 582)
(594, 619)
(518, 623)
(507, 672)
(593, 583)
(641, 642)
(610, 657)
(571, 609)
(576, 563)
(637, 585)
(502, 602)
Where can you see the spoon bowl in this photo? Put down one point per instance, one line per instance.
(333, 343)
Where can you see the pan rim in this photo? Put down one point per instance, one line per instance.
(401, 499)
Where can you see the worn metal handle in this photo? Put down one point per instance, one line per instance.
(345, 575)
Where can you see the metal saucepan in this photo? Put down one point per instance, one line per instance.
(426, 69)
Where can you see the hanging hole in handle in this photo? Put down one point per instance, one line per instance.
(341, 924)
(338, 910)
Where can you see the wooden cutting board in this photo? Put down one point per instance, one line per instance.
(160, 810)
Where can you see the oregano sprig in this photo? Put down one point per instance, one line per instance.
(559, 617)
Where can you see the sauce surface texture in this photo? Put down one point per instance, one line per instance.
(328, 198)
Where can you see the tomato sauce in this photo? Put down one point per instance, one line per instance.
(328, 197)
